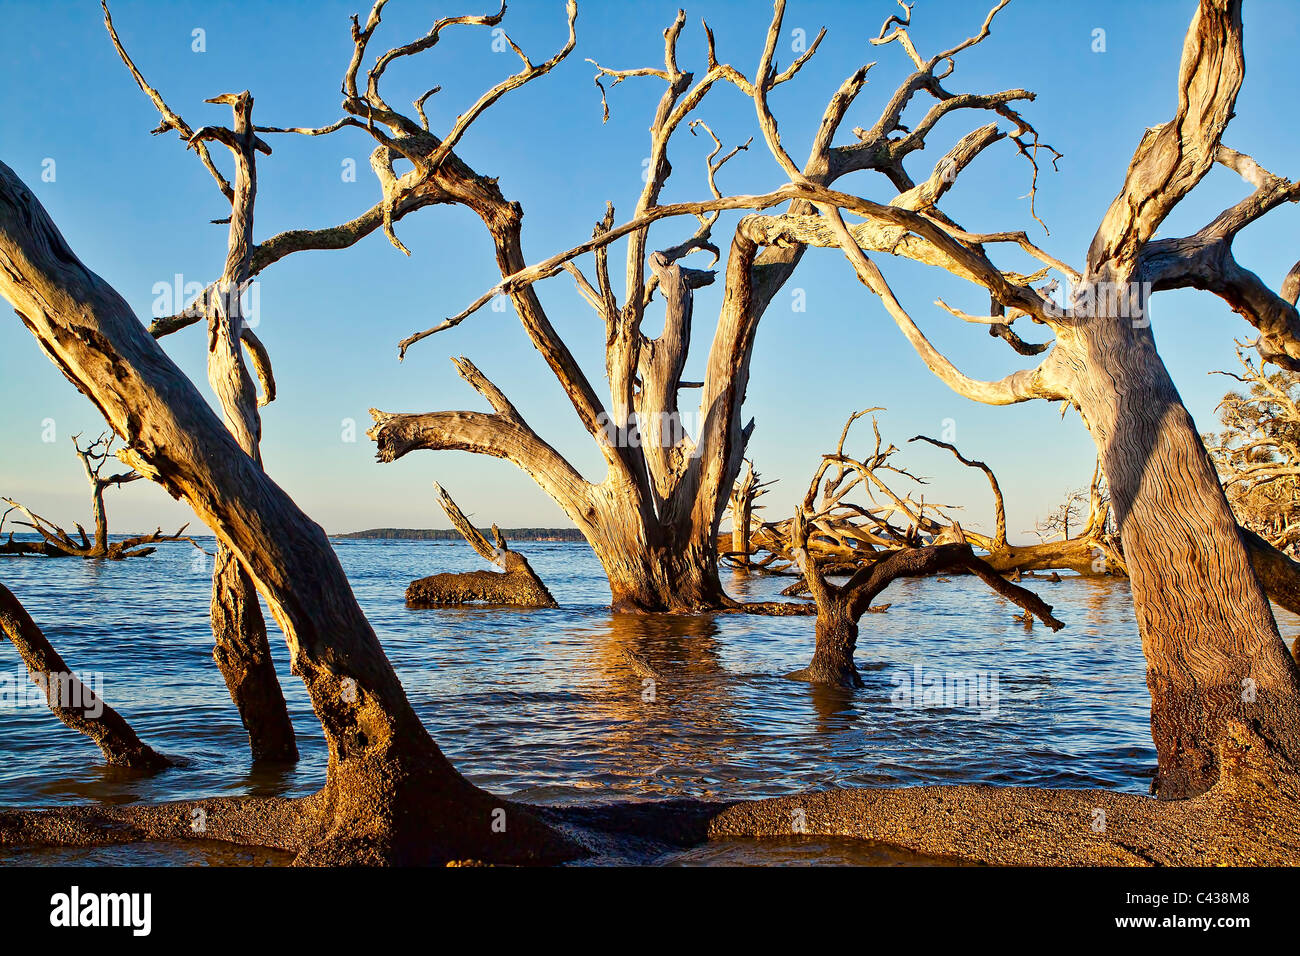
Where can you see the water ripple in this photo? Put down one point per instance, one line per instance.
(543, 704)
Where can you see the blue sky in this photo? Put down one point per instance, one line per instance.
(136, 208)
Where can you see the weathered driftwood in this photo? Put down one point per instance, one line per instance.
(70, 700)
(1096, 549)
(846, 536)
(59, 543)
(840, 607)
(516, 583)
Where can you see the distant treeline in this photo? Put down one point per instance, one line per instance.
(451, 534)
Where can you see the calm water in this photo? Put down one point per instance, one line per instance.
(544, 706)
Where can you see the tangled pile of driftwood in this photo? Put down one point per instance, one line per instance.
(845, 535)
(57, 543)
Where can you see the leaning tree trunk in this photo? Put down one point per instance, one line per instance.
(76, 705)
(390, 794)
(1212, 647)
(243, 655)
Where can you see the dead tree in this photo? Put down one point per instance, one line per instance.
(516, 583)
(1205, 621)
(1058, 520)
(1258, 452)
(839, 607)
(241, 648)
(1192, 580)
(653, 520)
(58, 542)
(390, 796)
(748, 489)
(69, 699)
(1206, 624)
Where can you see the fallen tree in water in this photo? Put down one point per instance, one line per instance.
(883, 552)
(59, 543)
(516, 583)
(78, 706)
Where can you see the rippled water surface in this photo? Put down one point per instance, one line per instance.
(544, 705)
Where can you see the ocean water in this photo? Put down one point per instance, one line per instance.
(542, 705)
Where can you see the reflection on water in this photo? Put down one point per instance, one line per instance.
(578, 704)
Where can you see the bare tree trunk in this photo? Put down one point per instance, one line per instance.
(243, 655)
(837, 639)
(76, 705)
(516, 583)
(1213, 651)
(240, 646)
(657, 569)
(740, 541)
(743, 496)
(101, 519)
(391, 796)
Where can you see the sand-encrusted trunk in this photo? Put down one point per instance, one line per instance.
(516, 583)
(1213, 651)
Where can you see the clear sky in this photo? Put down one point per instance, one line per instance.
(136, 209)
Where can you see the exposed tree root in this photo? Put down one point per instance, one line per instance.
(1250, 817)
(517, 583)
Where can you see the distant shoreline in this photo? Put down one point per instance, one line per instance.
(451, 534)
